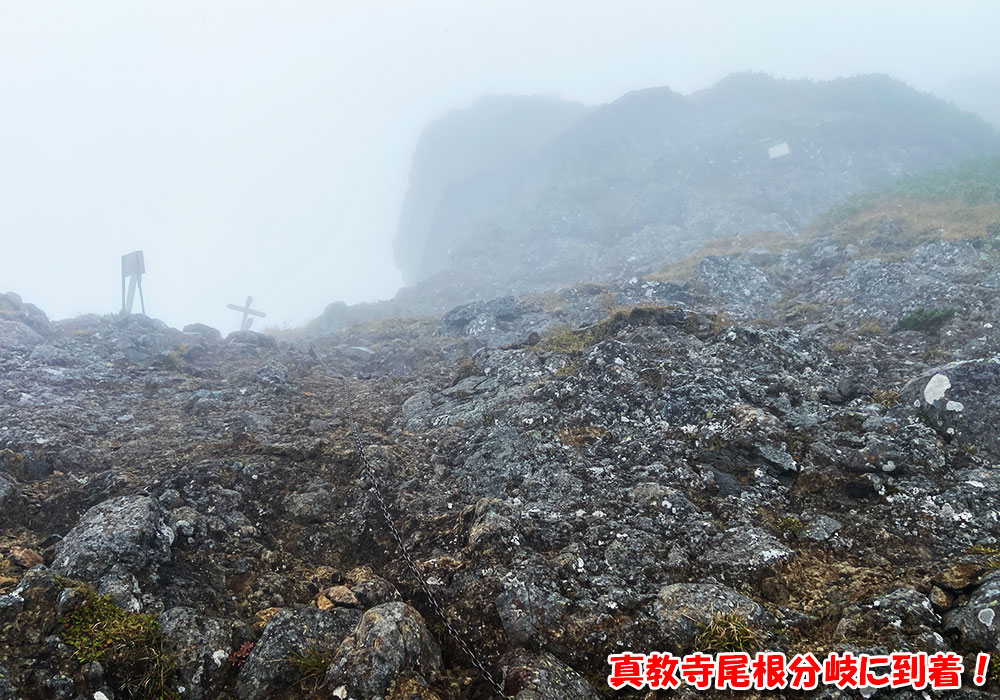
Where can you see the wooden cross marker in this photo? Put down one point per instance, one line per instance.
(247, 313)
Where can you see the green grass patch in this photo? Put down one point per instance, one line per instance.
(135, 655)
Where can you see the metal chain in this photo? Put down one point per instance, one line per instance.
(410, 563)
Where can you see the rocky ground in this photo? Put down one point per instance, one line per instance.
(802, 442)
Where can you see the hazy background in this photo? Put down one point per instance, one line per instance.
(262, 148)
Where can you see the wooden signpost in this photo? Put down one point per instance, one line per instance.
(133, 267)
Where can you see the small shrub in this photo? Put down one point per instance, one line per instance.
(841, 347)
(240, 656)
(175, 360)
(937, 354)
(727, 632)
(927, 320)
(791, 525)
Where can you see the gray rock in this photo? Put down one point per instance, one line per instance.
(201, 645)
(976, 625)
(372, 590)
(12, 308)
(311, 507)
(961, 400)
(303, 630)
(11, 503)
(126, 534)
(743, 553)
(391, 641)
(526, 609)
(746, 289)
(417, 404)
(681, 609)
(248, 340)
(15, 335)
(202, 332)
(904, 618)
(820, 528)
(544, 677)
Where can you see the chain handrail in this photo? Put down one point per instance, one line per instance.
(403, 550)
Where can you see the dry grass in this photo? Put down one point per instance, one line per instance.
(582, 435)
(728, 632)
(917, 222)
(686, 268)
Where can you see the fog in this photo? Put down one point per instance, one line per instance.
(261, 148)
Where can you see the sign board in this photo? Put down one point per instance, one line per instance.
(778, 151)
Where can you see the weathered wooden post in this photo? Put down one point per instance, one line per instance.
(247, 313)
(133, 267)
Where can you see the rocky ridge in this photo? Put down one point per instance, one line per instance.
(799, 433)
(655, 174)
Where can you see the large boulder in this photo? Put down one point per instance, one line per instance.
(128, 534)
(391, 645)
(302, 631)
(15, 335)
(961, 400)
(12, 308)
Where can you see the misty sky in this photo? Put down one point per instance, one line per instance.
(262, 148)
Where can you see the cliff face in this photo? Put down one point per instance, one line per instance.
(654, 174)
(466, 157)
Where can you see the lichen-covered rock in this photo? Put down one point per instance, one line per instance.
(128, 534)
(527, 608)
(681, 610)
(904, 618)
(743, 553)
(962, 401)
(544, 677)
(201, 646)
(370, 589)
(270, 668)
(976, 625)
(391, 642)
